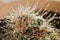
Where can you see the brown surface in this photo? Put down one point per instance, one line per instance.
(42, 4)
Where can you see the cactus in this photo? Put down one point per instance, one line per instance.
(26, 24)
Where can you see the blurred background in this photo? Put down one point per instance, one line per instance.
(5, 5)
(6, 1)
